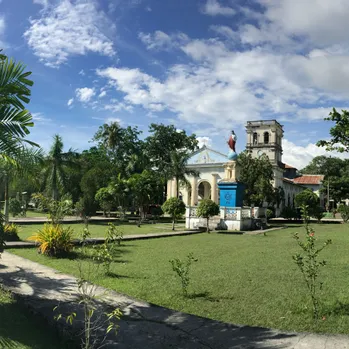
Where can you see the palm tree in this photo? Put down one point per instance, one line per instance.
(24, 166)
(15, 120)
(55, 164)
(179, 169)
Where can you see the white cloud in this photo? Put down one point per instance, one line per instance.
(67, 29)
(82, 72)
(299, 157)
(70, 102)
(214, 8)
(43, 3)
(204, 141)
(84, 94)
(162, 41)
(102, 94)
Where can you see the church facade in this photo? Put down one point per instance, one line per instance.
(263, 137)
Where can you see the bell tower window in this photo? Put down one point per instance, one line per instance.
(266, 137)
(255, 138)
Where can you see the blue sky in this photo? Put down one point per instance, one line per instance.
(206, 66)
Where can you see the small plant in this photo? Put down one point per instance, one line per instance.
(318, 213)
(270, 213)
(11, 232)
(105, 253)
(114, 234)
(175, 208)
(57, 210)
(207, 208)
(289, 213)
(344, 212)
(53, 240)
(182, 269)
(308, 262)
(15, 207)
(95, 320)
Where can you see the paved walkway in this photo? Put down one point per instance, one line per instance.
(144, 325)
(27, 244)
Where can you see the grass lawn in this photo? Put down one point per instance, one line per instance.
(21, 330)
(98, 230)
(242, 279)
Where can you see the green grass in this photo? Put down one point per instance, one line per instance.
(242, 279)
(99, 230)
(19, 329)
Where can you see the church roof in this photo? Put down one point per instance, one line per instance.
(309, 179)
(206, 155)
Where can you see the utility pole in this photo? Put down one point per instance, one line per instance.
(328, 195)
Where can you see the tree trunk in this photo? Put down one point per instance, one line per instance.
(6, 207)
(208, 224)
(173, 224)
(177, 187)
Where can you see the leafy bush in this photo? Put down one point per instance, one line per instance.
(11, 232)
(270, 213)
(289, 213)
(344, 212)
(318, 213)
(175, 208)
(207, 208)
(182, 269)
(15, 207)
(53, 240)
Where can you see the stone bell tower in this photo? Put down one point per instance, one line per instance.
(265, 137)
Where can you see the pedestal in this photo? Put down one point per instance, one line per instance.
(231, 194)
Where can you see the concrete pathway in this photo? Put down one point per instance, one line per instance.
(144, 325)
(27, 244)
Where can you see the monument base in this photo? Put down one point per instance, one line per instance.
(231, 194)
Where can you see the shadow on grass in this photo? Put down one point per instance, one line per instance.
(339, 308)
(22, 329)
(142, 326)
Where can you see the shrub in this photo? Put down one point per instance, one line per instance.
(15, 207)
(175, 208)
(182, 269)
(53, 240)
(318, 213)
(207, 208)
(11, 232)
(308, 198)
(344, 212)
(289, 213)
(308, 262)
(270, 213)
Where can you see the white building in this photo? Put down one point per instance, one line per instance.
(263, 137)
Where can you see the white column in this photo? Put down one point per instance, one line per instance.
(214, 189)
(194, 191)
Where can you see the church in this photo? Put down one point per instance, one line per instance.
(263, 137)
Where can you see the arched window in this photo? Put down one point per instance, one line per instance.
(266, 137)
(255, 138)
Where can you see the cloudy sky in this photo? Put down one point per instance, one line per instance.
(206, 66)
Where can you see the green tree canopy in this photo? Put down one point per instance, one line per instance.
(163, 142)
(325, 165)
(308, 198)
(175, 208)
(256, 174)
(339, 132)
(55, 165)
(207, 208)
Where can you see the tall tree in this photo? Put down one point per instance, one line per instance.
(179, 170)
(122, 145)
(339, 132)
(325, 165)
(257, 175)
(55, 165)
